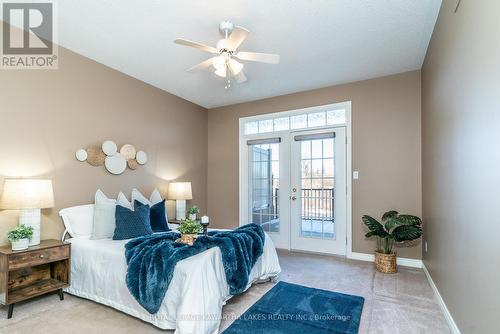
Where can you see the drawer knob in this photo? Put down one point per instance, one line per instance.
(42, 256)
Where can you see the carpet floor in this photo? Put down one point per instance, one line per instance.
(397, 303)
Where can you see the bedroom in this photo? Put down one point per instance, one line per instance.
(354, 109)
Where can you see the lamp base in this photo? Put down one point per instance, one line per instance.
(31, 217)
(180, 209)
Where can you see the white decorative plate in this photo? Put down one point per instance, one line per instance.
(81, 155)
(141, 157)
(109, 148)
(115, 164)
(128, 151)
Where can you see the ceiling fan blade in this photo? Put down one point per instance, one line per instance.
(196, 45)
(236, 38)
(202, 66)
(240, 77)
(260, 57)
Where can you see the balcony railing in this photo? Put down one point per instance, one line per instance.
(317, 204)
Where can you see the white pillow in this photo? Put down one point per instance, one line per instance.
(155, 197)
(104, 216)
(123, 201)
(78, 220)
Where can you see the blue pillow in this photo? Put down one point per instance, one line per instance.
(158, 217)
(132, 223)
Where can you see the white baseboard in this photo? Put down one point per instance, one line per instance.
(451, 323)
(402, 261)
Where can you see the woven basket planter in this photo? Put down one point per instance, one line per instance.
(385, 263)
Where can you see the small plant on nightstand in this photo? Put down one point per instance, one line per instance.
(193, 211)
(394, 228)
(20, 237)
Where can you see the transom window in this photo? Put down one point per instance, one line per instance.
(296, 122)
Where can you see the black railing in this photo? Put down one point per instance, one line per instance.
(317, 204)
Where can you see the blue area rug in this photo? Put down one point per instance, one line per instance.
(290, 308)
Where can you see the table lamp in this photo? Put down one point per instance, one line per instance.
(29, 196)
(180, 192)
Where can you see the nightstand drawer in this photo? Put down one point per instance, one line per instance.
(27, 259)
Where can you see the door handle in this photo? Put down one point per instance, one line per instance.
(293, 198)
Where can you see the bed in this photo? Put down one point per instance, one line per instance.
(194, 299)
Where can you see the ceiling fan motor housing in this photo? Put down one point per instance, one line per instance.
(226, 28)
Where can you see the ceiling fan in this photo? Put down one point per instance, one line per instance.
(225, 63)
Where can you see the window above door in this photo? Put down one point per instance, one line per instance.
(314, 119)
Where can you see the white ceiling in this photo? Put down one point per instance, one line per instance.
(321, 42)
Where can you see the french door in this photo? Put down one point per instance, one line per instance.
(318, 191)
(268, 179)
(296, 188)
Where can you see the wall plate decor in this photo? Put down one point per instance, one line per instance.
(141, 157)
(95, 156)
(132, 164)
(109, 148)
(81, 155)
(128, 151)
(115, 164)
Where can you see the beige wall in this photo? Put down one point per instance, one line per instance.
(45, 116)
(461, 162)
(386, 149)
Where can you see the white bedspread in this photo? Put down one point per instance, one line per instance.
(194, 299)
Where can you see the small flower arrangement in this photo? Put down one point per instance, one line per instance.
(20, 232)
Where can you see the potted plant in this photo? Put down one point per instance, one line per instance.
(20, 237)
(193, 211)
(394, 228)
(188, 230)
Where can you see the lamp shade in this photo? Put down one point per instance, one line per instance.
(27, 194)
(180, 190)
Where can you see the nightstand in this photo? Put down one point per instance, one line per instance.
(33, 272)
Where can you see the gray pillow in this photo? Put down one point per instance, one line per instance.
(104, 217)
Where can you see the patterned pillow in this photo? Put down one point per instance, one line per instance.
(132, 223)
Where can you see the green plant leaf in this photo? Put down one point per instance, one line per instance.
(392, 223)
(406, 232)
(20, 232)
(402, 220)
(410, 220)
(389, 214)
(376, 229)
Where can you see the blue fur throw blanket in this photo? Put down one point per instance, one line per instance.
(152, 258)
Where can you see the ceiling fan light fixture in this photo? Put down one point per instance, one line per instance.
(220, 62)
(221, 72)
(235, 66)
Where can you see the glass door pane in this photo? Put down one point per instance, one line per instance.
(317, 191)
(264, 186)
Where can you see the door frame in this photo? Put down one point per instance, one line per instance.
(243, 158)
